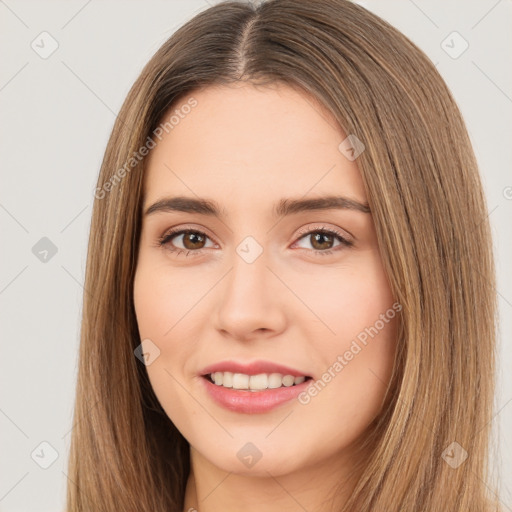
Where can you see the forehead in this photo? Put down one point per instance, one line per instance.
(244, 143)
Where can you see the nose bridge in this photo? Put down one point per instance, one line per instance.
(248, 280)
(247, 298)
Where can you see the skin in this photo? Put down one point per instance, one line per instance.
(247, 148)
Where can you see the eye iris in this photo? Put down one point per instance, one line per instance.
(319, 240)
(319, 236)
(191, 239)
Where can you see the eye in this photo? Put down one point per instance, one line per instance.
(192, 241)
(186, 240)
(323, 240)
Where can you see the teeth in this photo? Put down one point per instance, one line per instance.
(258, 381)
(227, 379)
(255, 382)
(275, 380)
(240, 381)
(288, 380)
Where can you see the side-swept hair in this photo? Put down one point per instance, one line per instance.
(429, 211)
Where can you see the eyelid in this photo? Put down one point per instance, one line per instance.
(346, 238)
(321, 226)
(175, 231)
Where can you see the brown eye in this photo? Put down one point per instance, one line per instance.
(185, 240)
(193, 240)
(321, 241)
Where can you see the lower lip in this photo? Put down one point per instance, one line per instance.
(253, 402)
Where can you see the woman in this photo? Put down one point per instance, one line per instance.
(291, 280)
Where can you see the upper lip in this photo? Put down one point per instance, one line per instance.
(252, 368)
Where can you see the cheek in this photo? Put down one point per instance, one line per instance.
(355, 356)
(346, 298)
(165, 312)
(167, 301)
(159, 306)
(350, 391)
(170, 312)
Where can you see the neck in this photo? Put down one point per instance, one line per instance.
(324, 486)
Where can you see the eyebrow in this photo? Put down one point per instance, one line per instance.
(283, 208)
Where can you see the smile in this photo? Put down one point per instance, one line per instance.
(258, 382)
(253, 394)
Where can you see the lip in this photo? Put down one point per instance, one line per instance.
(252, 368)
(252, 402)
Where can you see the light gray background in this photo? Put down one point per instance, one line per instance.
(56, 116)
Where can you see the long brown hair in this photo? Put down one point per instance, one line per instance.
(429, 211)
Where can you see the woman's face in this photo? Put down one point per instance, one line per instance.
(272, 282)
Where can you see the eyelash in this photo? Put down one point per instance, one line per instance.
(164, 241)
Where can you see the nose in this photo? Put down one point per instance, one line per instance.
(252, 301)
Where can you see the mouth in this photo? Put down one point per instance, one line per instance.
(251, 387)
(253, 394)
(259, 382)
